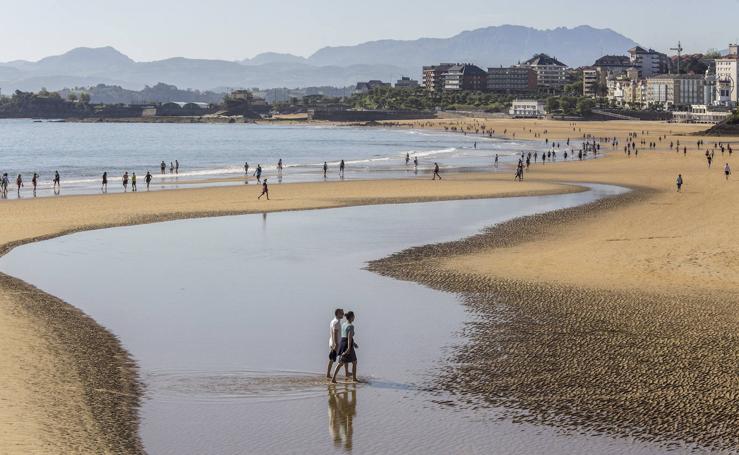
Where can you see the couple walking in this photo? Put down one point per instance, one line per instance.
(341, 345)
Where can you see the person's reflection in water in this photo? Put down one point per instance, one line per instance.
(342, 407)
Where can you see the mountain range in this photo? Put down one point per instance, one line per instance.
(386, 60)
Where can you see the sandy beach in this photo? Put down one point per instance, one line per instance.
(620, 316)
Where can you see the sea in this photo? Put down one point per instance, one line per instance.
(215, 154)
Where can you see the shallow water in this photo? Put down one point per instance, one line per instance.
(228, 321)
(81, 152)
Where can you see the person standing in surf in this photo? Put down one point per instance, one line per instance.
(19, 184)
(342, 165)
(125, 181)
(258, 173)
(133, 182)
(57, 182)
(104, 186)
(347, 348)
(147, 179)
(34, 183)
(325, 170)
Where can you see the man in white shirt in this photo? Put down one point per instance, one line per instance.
(334, 339)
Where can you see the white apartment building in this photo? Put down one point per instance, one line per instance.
(727, 78)
(527, 108)
(649, 62)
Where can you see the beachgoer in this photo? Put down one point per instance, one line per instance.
(325, 169)
(407, 158)
(347, 348)
(342, 165)
(163, 167)
(727, 171)
(679, 182)
(246, 168)
(415, 164)
(176, 167)
(436, 172)
(171, 167)
(147, 179)
(258, 173)
(104, 186)
(19, 183)
(334, 340)
(57, 182)
(495, 163)
(133, 182)
(265, 190)
(34, 182)
(125, 181)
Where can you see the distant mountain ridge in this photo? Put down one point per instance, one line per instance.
(387, 60)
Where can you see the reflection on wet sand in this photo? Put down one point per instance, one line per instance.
(342, 407)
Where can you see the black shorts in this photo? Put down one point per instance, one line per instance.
(332, 355)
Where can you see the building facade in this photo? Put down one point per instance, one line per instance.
(594, 78)
(512, 79)
(673, 90)
(727, 78)
(649, 62)
(550, 72)
(527, 108)
(465, 77)
(433, 76)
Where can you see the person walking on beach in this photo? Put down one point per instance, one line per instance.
(407, 159)
(727, 171)
(176, 167)
(415, 164)
(325, 169)
(104, 186)
(265, 190)
(163, 167)
(347, 348)
(495, 163)
(133, 182)
(436, 172)
(4, 184)
(171, 167)
(147, 179)
(246, 168)
(57, 182)
(342, 166)
(258, 173)
(679, 182)
(19, 184)
(125, 181)
(34, 183)
(279, 167)
(334, 339)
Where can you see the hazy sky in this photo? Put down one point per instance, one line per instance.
(235, 29)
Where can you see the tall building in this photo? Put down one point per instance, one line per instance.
(433, 76)
(514, 79)
(550, 72)
(649, 62)
(465, 77)
(675, 90)
(727, 77)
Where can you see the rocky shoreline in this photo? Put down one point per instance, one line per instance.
(660, 368)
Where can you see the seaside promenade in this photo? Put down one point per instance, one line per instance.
(638, 293)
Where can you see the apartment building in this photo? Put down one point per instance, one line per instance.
(465, 77)
(671, 90)
(433, 76)
(648, 61)
(727, 77)
(594, 78)
(527, 108)
(406, 82)
(550, 72)
(512, 79)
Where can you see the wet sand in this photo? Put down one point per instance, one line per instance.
(620, 320)
(52, 350)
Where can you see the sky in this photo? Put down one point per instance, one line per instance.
(236, 29)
